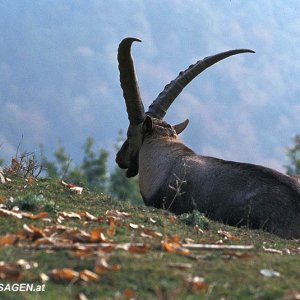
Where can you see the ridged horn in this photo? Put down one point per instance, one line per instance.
(129, 83)
(161, 104)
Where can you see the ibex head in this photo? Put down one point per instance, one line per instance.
(141, 122)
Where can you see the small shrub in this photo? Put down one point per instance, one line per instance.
(32, 202)
(195, 218)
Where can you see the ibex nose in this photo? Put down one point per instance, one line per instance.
(120, 162)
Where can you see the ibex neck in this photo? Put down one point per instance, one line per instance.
(156, 159)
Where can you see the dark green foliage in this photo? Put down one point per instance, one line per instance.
(293, 155)
(195, 218)
(92, 172)
(124, 188)
(32, 202)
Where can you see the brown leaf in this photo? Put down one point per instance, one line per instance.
(64, 274)
(197, 284)
(150, 233)
(180, 266)
(117, 214)
(129, 294)
(97, 235)
(40, 215)
(102, 266)
(172, 219)
(77, 235)
(228, 235)
(33, 232)
(2, 199)
(111, 231)
(88, 276)
(83, 252)
(10, 271)
(139, 249)
(87, 216)
(31, 179)
(8, 239)
(72, 187)
(175, 248)
(69, 215)
(107, 249)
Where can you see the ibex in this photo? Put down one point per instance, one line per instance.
(174, 177)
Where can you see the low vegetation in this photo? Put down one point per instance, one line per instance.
(85, 245)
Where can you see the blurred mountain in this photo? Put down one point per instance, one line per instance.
(59, 78)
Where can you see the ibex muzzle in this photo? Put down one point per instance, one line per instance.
(173, 177)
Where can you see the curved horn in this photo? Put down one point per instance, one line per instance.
(161, 104)
(129, 83)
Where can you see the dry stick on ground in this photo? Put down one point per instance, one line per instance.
(217, 247)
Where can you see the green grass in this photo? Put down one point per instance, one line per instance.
(153, 275)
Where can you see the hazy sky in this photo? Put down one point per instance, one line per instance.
(59, 78)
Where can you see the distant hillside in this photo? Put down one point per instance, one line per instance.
(59, 76)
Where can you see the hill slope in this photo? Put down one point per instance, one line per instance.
(89, 244)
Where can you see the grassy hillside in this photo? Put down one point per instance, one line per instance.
(89, 245)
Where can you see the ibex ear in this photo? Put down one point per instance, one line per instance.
(181, 126)
(147, 125)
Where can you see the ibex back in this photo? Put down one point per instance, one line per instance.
(173, 177)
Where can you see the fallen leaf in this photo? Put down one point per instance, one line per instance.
(271, 250)
(97, 235)
(64, 274)
(111, 231)
(172, 218)
(129, 294)
(69, 215)
(2, 178)
(175, 248)
(139, 249)
(133, 226)
(102, 266)
(10, 271)
(8, 239)
(43, 277)
(40, 215)
(197, 283)
(152, 220)
(88, 276)
(10, 213)
(81, 296)
(77, 235)
(31, 179)
(180, 266)
(146, 232)
(117, 214)
(33, 232)
(228, 235)
(269, 273)
(72, 187)
(87, 216)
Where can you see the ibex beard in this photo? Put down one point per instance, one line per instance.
(174, 177)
